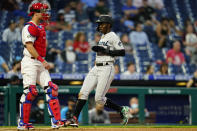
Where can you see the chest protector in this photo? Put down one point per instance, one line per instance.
(40, 34)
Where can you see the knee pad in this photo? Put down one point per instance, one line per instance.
(31, 95)
(25, 105)
(53, 102)
(52, 90)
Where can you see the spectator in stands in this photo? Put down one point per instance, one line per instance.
(126, 43)
(69, 15)
(14, 80)
(192, 81)
(130, 69)
(138, 37)
(81, 15)
(68, 55)
(145, 12)
(67, 112)
(37, 113)
(128, 23)
(134, 107)
(60, 24)
(101, 8)
(20, 24)
(98, 115)
(10, 34)
(80, 43)
(138, 3)
(174, 30)
(3, 66)
(117, 69)
(90, 3)
(163, 69)
(174, 55)
(9, 5)
(130, 10)
(187, 22)
(150, 70)
(156, 4)
(190, 42)
(16, 67)
(90, 6)
(96, 40)
(163, 31)
(51, 55)
(73, 4)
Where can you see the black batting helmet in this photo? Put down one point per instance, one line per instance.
(104, 19)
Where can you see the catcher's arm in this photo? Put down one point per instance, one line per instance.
(29, 46)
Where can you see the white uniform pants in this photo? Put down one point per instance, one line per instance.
(34, 72)
(100, 77)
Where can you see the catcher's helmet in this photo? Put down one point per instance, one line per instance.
(36, 8)
(39, 7)
(105, 19)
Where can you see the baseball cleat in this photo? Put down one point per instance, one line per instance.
(28, 126)
(55, 126)
(125, 114)
(72, 122)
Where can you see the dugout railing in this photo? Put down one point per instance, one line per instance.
(10, 101)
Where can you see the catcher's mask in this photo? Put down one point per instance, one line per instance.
(40, 8)
(104, 19)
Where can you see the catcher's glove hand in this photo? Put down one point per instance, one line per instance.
(99, 49)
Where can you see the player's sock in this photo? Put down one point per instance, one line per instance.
(112, 105)
(79, 106)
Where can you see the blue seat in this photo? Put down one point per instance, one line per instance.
(157, 67)
(81, 68)
(190, 68)
(129, 58)
(82, 56)
(176, 69)
(66, 68)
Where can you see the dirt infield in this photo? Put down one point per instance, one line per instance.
(108, 129)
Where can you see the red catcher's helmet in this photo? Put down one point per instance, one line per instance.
(35, 8)
(40, 8)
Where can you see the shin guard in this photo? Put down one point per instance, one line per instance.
(53, 102)
(25, 103)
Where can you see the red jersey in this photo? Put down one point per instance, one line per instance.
(83, 47)
(177, 58)
(38, 32)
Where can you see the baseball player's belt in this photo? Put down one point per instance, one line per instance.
(104, 63)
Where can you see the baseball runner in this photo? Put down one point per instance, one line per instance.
(102, 74)
(34, 68)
